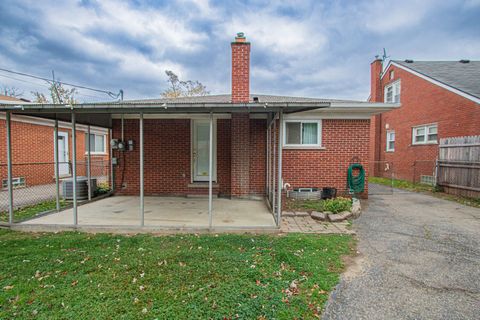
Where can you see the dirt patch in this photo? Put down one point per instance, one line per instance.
(355, 264)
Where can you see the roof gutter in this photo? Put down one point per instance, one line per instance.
(164, 108)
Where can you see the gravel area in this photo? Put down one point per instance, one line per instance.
(419, 258)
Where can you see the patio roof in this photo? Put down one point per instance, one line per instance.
(99, 113)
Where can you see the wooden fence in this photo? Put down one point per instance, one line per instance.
(458, 170)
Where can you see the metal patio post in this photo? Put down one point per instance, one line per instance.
(112, 178)
(89, 173)
(55, 159)
(210, 172)
(279, 198)
(273, 162)
(142, 211)
(267, 185)
(74, 168)
(9, 167)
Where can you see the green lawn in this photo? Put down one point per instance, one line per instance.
(31, 211)
(418, 187)
(402, 184)
(84, 276)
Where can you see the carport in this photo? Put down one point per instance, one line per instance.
(162, 212)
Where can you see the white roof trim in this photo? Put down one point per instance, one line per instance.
(346, 111)
(363, 105)
(436, 82)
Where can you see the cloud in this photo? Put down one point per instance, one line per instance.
(387, 16)
(310, 48)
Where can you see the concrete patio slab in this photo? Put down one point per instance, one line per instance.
(174, 212)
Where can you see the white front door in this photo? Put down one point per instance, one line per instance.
(200, 150)
(63, 166)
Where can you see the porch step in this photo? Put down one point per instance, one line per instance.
(200, 189)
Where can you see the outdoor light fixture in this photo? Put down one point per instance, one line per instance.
(265, 105)
(164, 106)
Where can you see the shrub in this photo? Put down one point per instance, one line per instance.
(102, 188)
(337, 205)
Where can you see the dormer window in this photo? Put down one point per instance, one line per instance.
(392, 92)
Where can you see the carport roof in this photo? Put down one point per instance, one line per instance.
(99, 114)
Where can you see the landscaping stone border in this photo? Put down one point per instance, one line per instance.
(327, 215)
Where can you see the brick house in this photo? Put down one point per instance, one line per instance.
(318, 145)
(33, 145)
(237, 145)
(438, 99)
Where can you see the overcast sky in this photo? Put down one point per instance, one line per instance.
(310, 48)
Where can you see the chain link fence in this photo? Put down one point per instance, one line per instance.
(34, 188)
(386, 176)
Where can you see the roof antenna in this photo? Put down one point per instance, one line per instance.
(384, 57)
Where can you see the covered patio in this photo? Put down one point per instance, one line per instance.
(166, 212)
(141, 211)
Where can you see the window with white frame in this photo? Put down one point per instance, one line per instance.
(392, 92)
(97, 143)
(391, 140)
(16, 182)
(302, 133)
(424, 134)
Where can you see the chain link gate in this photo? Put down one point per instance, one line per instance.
(381, 171)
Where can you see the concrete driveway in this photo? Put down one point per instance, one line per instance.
(419, 258)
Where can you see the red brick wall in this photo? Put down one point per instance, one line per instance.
(224, 156)
(167, 162)
(258, 153)
(33, 152)
(344, 140)
(422, 103)
(167, 156)
(240, 149)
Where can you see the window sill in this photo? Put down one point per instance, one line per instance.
(303, 147)
(390, 151)
(423, 144)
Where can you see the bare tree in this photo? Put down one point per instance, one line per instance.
(12, 92)
(58, 95)
(178, 88)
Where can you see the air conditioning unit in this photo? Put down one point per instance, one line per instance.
(82, 188)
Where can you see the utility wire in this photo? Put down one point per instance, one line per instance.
(21, 80)
(47, 86)
(111, 94)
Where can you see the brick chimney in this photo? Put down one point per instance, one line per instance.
(375, 84)
(240, 69)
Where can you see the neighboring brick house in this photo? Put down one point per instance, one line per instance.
(33, 149)
(318, 145)
(438, 99)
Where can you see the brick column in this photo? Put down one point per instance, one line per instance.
(240, 160)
